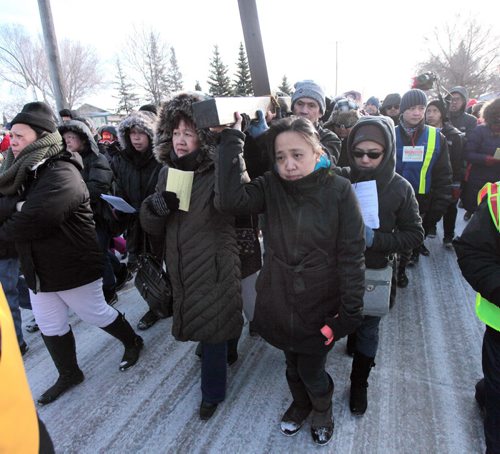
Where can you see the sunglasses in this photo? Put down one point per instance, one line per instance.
(394, 106)
(370, 154)
(342, 126)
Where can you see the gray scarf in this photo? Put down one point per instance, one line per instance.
(13, 171)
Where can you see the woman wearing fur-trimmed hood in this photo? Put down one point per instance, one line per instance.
(200, 246)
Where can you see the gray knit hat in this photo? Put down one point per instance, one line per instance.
(412, 98)
(309, 89)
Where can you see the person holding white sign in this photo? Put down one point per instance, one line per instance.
(371, 148)
(422, 158)
(200, 244)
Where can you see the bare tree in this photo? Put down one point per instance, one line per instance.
(24, 65)
(23, 61)
(464, 52)
(148, 56)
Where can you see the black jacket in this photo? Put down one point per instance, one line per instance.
(400, 223)
(54, 231)
(313, 272)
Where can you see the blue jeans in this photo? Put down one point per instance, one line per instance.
(491, 370)
(367, 336)
(9, 277)
(213, 372)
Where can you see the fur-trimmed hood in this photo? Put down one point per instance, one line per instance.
(180, 104)
(80, 128)
(143, 120)
(491, 112)
(348, 118)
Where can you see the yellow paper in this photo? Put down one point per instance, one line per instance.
(181, 183)
(497, 154)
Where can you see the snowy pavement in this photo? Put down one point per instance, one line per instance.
(420, 398)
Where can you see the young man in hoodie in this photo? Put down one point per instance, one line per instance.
(422, 158)
(372, 157)
(464, 122)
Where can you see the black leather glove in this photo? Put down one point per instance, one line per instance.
(163, 203)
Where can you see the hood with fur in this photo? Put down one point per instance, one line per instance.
(491, 112)
(180, 104)
(80, 128)
(143, 120)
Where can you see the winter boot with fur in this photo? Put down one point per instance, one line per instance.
(298, 411)
(62, 349)
(361, 366)
(322, 419)
(133, 343)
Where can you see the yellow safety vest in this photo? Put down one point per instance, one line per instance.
(18, 420)
(486, 311)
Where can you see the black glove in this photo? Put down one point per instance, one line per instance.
(163, 203)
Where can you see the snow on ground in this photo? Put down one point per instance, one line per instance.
(421, 393)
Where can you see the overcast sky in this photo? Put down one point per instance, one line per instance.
(379, 42)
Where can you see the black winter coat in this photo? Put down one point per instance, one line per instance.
(400, 223)
(54, 232)
(313, 272)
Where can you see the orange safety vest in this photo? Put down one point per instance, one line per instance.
(18, 420)
(486, 311)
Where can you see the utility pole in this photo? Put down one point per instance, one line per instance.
(52, 51)
(255, 49)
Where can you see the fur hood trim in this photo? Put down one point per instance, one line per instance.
(182, 103)
(143, 120)
(348, 118)
(80, 128)
(491, 112)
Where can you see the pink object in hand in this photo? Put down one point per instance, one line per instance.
(328, 333)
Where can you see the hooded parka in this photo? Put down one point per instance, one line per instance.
(200, 244)
(313, 272)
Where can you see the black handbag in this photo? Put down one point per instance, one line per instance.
(246, 239)
(153, 284)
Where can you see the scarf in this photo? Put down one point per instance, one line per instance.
(14, 170)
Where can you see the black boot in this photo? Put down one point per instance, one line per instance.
(350, 347)
(232, 351)
(480, 396)
(147, 320)
(133, 343)
(63, 352)
(298, 411)
(361, 366)
(322, 423)
(402, 278)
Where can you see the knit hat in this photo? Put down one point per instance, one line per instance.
(412, 98)
(66, 113)
(309, 89)
(37, 115)
(392, 99)
(368, 132)
(439, 105)
(462, 91)
(149, 108)
(373, 101)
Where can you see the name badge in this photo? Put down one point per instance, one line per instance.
(413, 154)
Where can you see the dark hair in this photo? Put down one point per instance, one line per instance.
(300, 125)
(39, 132)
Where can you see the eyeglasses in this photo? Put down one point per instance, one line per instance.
(371, 154)
(455, 99)
(342, 126)
(394, 106)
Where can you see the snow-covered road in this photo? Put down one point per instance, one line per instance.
(421, 393)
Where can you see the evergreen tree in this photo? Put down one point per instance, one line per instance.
(157, 71)
(285, 87)
(127, 99)
(197, 86)
(174, 75)
(243, 84)
(218, 80)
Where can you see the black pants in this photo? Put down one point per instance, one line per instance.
(491, 370)
(449, 220)
(310, 369)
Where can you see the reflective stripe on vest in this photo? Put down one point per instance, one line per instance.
(431, 146)
(416, 172)
(486, 311)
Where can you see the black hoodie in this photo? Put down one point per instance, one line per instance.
(400, 223)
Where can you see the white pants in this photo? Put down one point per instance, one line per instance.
(51, 308)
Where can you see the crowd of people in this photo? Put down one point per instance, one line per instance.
(293, 179)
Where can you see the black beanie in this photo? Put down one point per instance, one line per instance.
(437, 103)
(37, 115)
(412, 98)
(66, 113)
